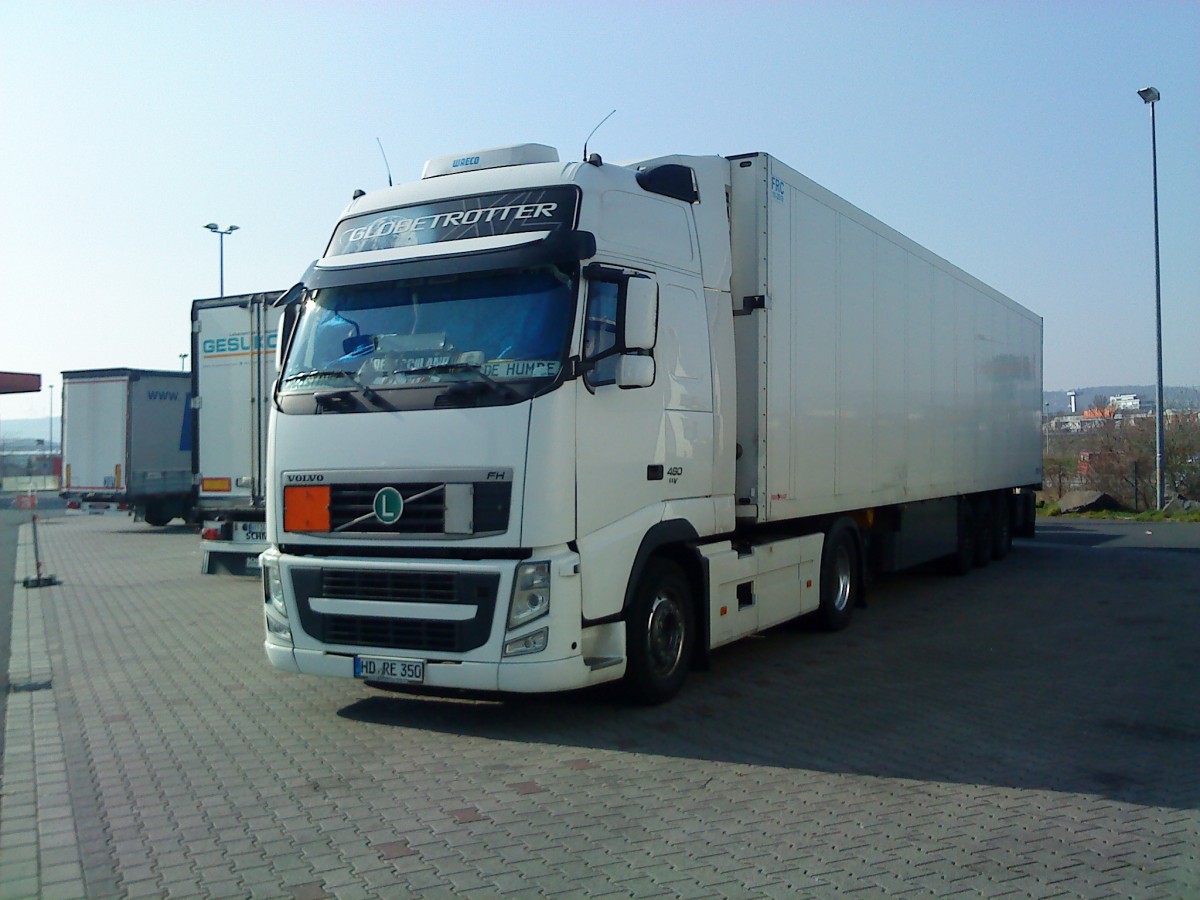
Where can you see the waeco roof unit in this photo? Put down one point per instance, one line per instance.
(495, 158)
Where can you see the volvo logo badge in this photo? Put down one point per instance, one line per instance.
(389, 505)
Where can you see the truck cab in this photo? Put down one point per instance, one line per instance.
(495, 403)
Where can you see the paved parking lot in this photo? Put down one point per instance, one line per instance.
(1031, 730)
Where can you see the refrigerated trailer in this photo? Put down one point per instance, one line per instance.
(127, 443)
(233, 371)
(542, 425)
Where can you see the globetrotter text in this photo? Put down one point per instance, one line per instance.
(452, 219)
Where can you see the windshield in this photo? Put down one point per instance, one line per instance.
(490, 328)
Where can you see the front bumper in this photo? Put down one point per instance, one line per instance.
(325, 646)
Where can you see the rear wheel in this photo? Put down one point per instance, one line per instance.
(661, 634)
(1002, 528)
(841, 577)
(1026, 515)
(962, 560)
(984, 531)
(157, 514)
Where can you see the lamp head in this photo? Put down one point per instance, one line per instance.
(1149, 94)
(232, 228)
(212, 226)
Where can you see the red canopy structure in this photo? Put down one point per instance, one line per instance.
(19, 383)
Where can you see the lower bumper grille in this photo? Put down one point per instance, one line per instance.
(394, 632)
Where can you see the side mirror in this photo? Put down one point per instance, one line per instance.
(635, 371)
(641, 314)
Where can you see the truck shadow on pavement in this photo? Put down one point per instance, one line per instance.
(1032, 674)
(141, 529)
(1060, 534)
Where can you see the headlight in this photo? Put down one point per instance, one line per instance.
(531, 594)
(273, 590)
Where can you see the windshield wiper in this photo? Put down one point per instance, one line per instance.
(448, 368)
(368, 392)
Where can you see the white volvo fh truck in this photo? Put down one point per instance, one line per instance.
(541, 425)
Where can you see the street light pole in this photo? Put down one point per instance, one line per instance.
(1151, 96)
(221, 232)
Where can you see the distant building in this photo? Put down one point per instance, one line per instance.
(30, 469)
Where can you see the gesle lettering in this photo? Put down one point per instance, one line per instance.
(238, 343)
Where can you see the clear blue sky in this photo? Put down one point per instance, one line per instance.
(1006, 136)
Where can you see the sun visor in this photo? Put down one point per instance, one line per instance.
(556, 247)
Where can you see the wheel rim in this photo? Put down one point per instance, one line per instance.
(665, 634)
(844, 578)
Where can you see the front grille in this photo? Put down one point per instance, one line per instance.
(405, 634)
(399, 633)
(424, 515)
(396, 587)
(351, 508)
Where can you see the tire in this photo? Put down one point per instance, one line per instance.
(1026, 515)
(841, 577)
(962, 560)
(1002, 526)
(157, 515)
(985, 529)
(661, 634)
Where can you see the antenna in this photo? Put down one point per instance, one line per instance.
(594, 130)
(385, 162)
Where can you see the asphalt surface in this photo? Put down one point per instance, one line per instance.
(1030, 730)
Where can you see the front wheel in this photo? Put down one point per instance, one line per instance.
(841, 577)
(661, 633)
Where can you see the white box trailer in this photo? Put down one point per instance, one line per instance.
(876, 373)
(127, 443)
(543, 425)
(233, 372)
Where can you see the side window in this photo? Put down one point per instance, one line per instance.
(600, 333)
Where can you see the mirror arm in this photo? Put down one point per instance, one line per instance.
(577, 367)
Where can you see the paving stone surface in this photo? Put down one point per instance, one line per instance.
(1030, 730)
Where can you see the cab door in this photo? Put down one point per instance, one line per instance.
(644, 424)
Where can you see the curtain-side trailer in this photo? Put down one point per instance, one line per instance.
(127, 442)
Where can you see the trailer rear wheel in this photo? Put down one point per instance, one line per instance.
(158, 515)
(962, 560)
(984, 530)
(841, 577)
(1002, 526)
(1026, 514)
(661, 634)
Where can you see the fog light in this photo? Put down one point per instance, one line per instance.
(278, 629)
(531, 643)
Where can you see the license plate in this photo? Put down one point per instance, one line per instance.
(244, 532)
(377, 668)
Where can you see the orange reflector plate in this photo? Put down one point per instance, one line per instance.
(216, 484)
(306, 509)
